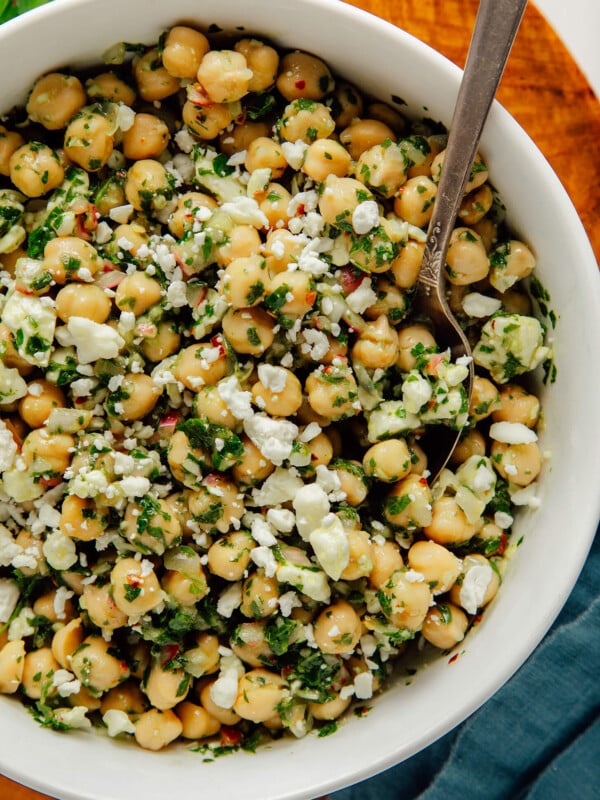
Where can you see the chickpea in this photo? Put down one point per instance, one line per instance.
(487, 583)
(166, 687)
(515, 302)
(12, 665)
(249, 644)
(229, 556)
(148, 137)
(449, 524)
(384, 113)
(197, 366)
(408, 504)
(331, 709)
(411, 337)
(406, 265)
(71, 258)
(408, 601)
(306, 120)
(340, 197)
(362, 134)
(36, 406)
(38, 668)
(9, 142)
(445, 625)
(253, 467)
(46, 606)
(135, 587)
(262, 60)
(108, 86)
(299, 290)
(101, 608)
(132, 237)
(265, 153)
(377, 345)
(224, 75)
(204, 658)
(415, 200)
(188, 205)
(485, 398)
(35, 169)
(184, 579)
(139, 395)
(89, 139)
(387, 559)
(387, 461)
(382, 167)
(283, 400)
(166, 342)
(280, 249)
(54, 99)
(302, 75)
(476, 205)
(137, 293)
(226, 716)
(66, 641)
(326, 157)
(196, 722)
(243, 242)
(472, 443)
(217, 490)
(467, 261)
(97, 669)
(125, 697)
(155, 729)
(516, 405)
(436, 563)
(348, 104)
(352, 481)
(241, 135)
(50, 451)
(478, 176)
(274, 205)
(338, 628)
(245, 281)
(336, 399)
(488, 230)
(321, 451)
(206, 122)
(391, 301)
(360, 563)
(209, 403)
(249, 330)
(259, 693)
(259, 596)
(517, 463)
(512, 261)
(152, 79)
(83, 300)
(147, 185)
(80, 519)
(183, 51)
(151, 528)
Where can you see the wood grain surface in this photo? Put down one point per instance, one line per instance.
(542, 88)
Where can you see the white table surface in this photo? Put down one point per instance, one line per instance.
(577, 22)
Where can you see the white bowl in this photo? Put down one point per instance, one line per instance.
(385, 61)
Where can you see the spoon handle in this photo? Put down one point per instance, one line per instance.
(495, 29)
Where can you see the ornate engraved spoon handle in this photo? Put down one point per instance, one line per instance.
(495, 29)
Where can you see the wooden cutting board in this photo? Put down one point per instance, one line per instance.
(542, 88)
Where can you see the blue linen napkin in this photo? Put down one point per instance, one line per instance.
(537, 738)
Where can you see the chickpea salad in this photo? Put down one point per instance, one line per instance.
(217, 522)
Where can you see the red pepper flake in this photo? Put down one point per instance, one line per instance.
(230, 736)
(454, 658)
(423, 481)
(301, 84)
(217, 341)
(311, 297)
(503, 544)
(169, 652)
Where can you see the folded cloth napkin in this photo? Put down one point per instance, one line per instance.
(537, 738)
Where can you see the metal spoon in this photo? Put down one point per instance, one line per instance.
(495, 29)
